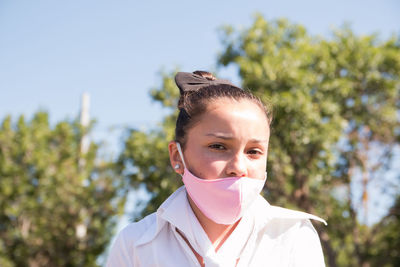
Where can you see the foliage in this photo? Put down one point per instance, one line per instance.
(145, 158)
(56, 204)
(336, 105)
(387, 252)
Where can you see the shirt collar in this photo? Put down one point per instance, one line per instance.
(179, 214)
(174, 210)
(169, 211)
(264, 212)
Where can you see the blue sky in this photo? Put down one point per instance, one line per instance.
(53, 51)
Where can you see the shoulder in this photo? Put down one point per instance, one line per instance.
(284, 224)
(129, 241)
(291, 230)
(305, 245)
(122, 251)
(266, 213)
(134, 232)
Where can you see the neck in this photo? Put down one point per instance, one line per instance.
(217, 233)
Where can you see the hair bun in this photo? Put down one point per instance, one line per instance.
(205, 74)
(188, 82)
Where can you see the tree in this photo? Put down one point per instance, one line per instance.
(57, 205)
(336, 104)
(145, 159)
(387, 252)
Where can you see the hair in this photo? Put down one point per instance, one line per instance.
(192, 104)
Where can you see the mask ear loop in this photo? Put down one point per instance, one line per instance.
(180, 153)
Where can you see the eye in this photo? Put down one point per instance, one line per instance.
(217, 147)
(255, 152)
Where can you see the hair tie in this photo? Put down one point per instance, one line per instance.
(187, 81)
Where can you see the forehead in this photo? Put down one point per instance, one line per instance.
(235, 117)
(242, 106)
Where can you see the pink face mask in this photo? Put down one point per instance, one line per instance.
(222, 200)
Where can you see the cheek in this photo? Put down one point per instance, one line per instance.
(203, 165)
(211, 169)
(258, 169)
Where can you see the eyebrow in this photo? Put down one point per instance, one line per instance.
(230, 137)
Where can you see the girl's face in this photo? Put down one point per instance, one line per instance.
(230, 139)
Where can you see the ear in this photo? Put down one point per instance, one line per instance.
(175, 158)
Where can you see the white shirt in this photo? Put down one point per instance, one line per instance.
(265, 236)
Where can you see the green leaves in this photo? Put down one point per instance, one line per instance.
(57, 206)
(335, 101)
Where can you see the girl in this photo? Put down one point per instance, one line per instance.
(219, 218)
